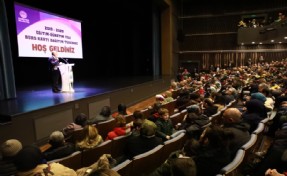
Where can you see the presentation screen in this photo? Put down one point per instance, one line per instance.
(39, 33)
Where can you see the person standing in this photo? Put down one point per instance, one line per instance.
(56, 75)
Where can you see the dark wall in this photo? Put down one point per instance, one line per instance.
(210, 32)
(117, 39)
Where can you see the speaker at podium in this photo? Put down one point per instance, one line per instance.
(67, 77)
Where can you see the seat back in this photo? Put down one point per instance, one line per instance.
(124, 168)
(72, 161)
(146, 112)
(260, 134)
(233, 168)
(118, 145)
(147, 162)
(172, 145)
(129, 118)
(76, 135)
(105, 127)
(216, 118)
(170, 106)
(92, 155)
(175, 118)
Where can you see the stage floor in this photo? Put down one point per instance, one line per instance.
(37, 97)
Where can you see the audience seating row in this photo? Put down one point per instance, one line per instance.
(178, 117)
(140, 164)
(85, 158)
(247, 153)
(147, 162)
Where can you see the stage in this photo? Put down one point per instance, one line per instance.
(37, 111)
(41, 96)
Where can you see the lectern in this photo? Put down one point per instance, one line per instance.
(67, 77)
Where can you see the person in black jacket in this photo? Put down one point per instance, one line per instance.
(146, 141)
(232, 120)
(59, 148)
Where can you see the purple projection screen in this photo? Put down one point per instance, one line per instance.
(39, 33)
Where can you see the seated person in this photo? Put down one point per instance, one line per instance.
(193, 122)
(121, 128)
(275, 156)
(208, 107)
(139, 115)
(164, 125)
(142, 143)
(154, 115)
(159, 98)
(255, 112)
(122, 109)
(104, 115)
(168, 96)
(9, 150)
(213, 150)
(91, 140)
(59, 147)
(232, 120)
(30, 161)
(186, 153)
(79, 123)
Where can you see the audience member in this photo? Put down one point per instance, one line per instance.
(141, 120)
(270, 100)
(178, 164)
(159, 99)
(274, 158)
(195, 98)
(259, 96)
(208, 107)
(142, 143)
(185, 74)
(121, 128)
(255, 112)
(230, 94)
(79, 123)
(104, 115)
(213, 150)
(154, 115)
(183, 166)
(168, 96)
(59, 147)
(105, 162)
(91, 138)
(209, 154)
(164, 125)
(218, 100)
(232, 120)
(183, 100)
(194, 122)
(122, 109)
(29, 161)
(277, 120)
(9, 150)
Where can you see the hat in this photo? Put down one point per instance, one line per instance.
(57, 136)
(258, 96)
(28, 158)
(11, 147)
(193, 108)
(160, 97)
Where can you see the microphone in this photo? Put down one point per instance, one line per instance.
(66, 60)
